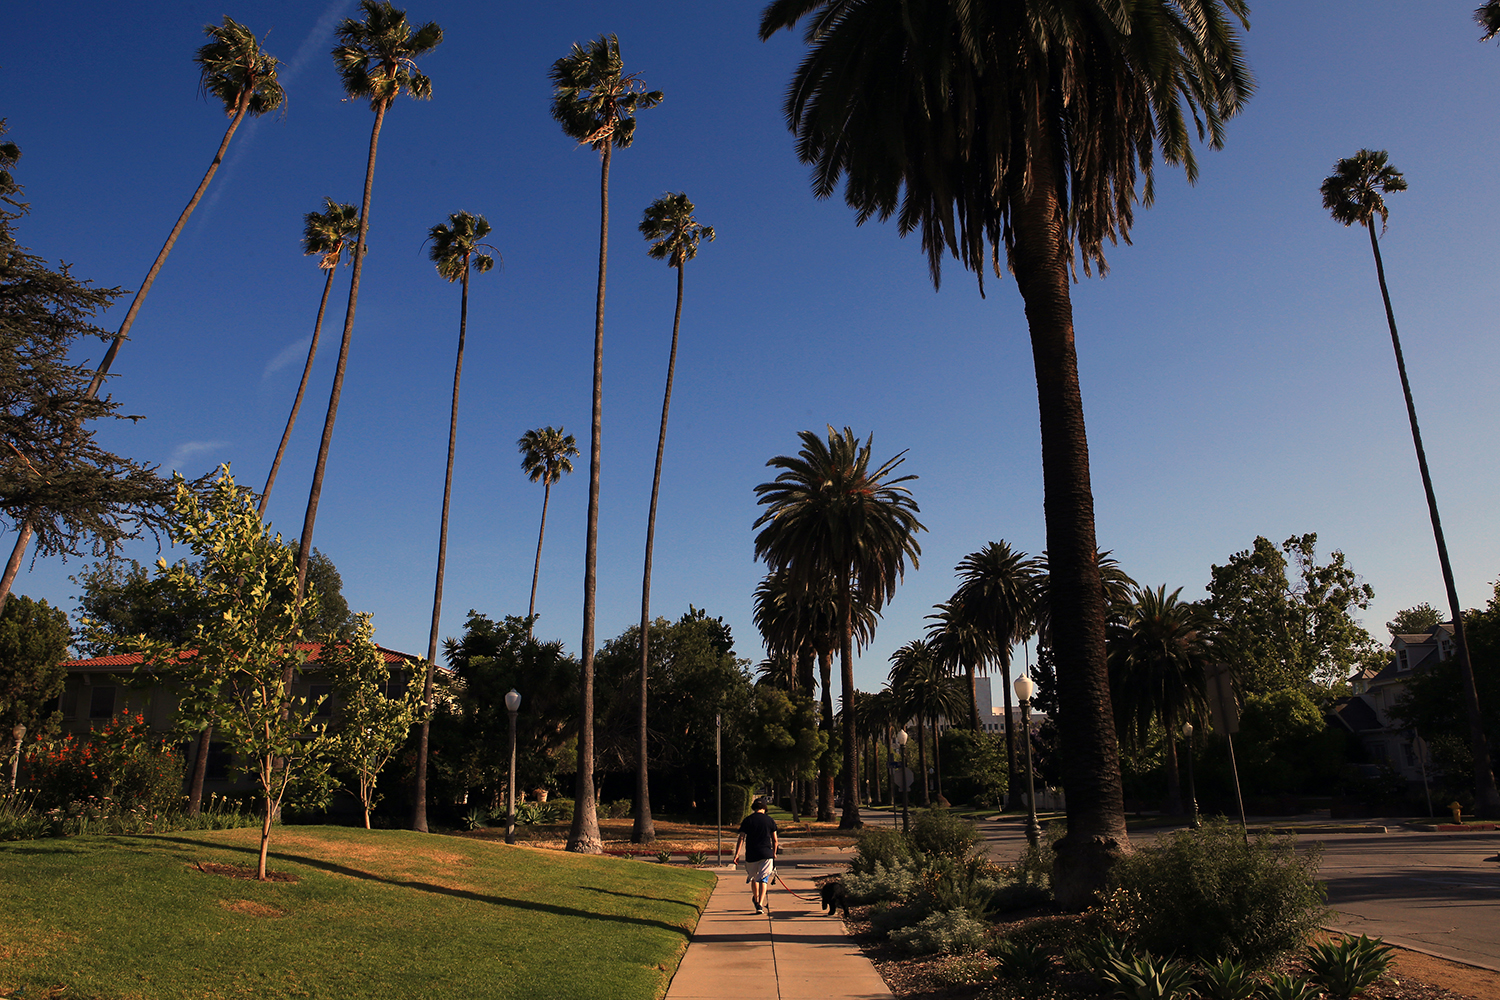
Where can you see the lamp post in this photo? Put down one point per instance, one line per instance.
(15, 761)
(719, 799)
(1193, 818)
(1025, 686)
(512, 705)
(901, 739)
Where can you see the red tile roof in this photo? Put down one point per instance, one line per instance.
(132, 660)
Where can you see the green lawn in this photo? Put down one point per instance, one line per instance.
(379, 914)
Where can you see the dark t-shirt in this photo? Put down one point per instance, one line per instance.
(757, 829)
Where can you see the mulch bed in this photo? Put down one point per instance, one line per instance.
(973, 977)
(242, 872)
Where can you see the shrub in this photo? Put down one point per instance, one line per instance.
(1034, 868)
(618, 809)
(950, 932)
(1021, 959)
(883, 884)
(935, 832)
(949, 883)
(1211, 895)
(1090, 957)
(1347, 967)
(880, 846)
(665, 857)
(697, 859)
(121, 761)
(737, 799)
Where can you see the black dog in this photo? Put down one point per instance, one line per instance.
(834, 897)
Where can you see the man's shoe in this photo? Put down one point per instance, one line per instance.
(757, 908)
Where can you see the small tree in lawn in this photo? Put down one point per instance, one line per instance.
(238, 656)
(373, 724)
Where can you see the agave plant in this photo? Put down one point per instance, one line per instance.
(1347, 967)
(1146, 977)
(1022, 959)
(1227, 980)
(1287, 988)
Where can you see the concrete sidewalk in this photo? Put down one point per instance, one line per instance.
(796, 948)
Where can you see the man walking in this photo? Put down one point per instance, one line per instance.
(759, 840)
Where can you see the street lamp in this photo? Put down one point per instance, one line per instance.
(901, 739)
(15, 761)
(512, 705)
(1025, 687)
(1194, 820)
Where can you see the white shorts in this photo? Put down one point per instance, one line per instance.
(760, 871)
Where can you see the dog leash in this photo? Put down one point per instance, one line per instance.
(805, 899)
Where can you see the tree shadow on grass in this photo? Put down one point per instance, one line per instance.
(636, 895)
(443, 890)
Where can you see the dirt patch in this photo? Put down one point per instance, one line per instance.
(241, 872)
(251, 908)
(677, 838)
(1413, 976)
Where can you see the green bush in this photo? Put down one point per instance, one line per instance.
(618, 809)
(737, 799)
(120, 762)
(950, 932)
(1209, 895)
(882, 884)
(880, 846)
(948, 883)
(1034, 868)
(936, 832)
(1284, 987)
(1020, 959)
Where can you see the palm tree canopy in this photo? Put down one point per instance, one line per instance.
(669, 221)
(830, 516)
(1118, 586)
(1157, 653)
(593, 99)
(957, 640)
(1353, 192)
(547, 453)
(233, 66)
(1488, 18)
(790, 616)
(328, 232)
(377, 56)
(999, 590)
(935, 110)
(455, 246)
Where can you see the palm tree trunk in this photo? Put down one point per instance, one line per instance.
(1486, 796)
(23, 537)
(825, 723)
(1090, 755)
(424, 731)
(926, 799)
(536, 571)
(291, 421)
(305, 543)
(850, 819)
(937, 761)
(973, 697)
(200, 771)
(1012, 774)
(644, 831)
(583, 836)
(1169, 765)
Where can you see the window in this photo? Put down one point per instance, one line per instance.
(1382, 752)
(1402, 662)
(101, 702)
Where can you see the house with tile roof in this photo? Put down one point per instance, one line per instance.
(103, 687)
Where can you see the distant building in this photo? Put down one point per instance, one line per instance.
(1367, 713)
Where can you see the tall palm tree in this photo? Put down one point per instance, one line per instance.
(669, 222)
(962, 645)
(1158, 651)
(595, 101)
(234, 68)
(1024, 127)
(999, 591)
(830, 515)
(912, 667)
(546, 456)
(325, 234)
(456, 250)
(1488, 18)
(1354, 193)
(377, 61)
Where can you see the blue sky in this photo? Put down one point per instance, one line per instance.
(1236, 370)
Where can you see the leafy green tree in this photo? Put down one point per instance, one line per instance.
(1158, 652)
(1355, 193)
(963, 121)
(56, 482)
(327, 234)
(34, 639)
(456, 251)
(374, 716)
(546, 456)
(830, 516)
(785, 740)
(669, 222)
(595, 101)
(377, 60)
(471, 735)
(237, 658)
(1280, 632)
(1414, 621)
